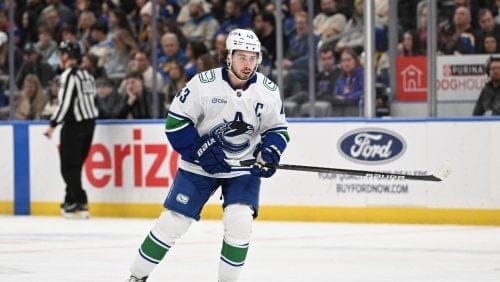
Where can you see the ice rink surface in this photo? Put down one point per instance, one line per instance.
(37, 249)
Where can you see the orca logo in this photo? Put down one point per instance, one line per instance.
(181, 198)
(233, 136)
(371, 146)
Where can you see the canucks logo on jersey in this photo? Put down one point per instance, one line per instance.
(234, 136)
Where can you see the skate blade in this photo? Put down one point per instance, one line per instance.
(76, 215)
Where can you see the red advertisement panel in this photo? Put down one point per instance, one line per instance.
(412, 78)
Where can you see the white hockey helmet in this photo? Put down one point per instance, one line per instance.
(243, 39)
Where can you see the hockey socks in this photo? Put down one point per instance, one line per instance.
(161, 238)
(232, 259)
(237, 228)
(153, 249)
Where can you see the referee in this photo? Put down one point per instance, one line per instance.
(76, 111)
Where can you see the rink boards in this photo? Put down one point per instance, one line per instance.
(131, 166)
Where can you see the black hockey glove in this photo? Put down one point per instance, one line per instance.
(210, 156)
(266, 155)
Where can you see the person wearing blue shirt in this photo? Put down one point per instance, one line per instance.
(236, 17)
(349, 88)
(171, 51)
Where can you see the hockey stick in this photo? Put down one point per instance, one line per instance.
(443, 172)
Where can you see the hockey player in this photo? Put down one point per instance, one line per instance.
(222, 115)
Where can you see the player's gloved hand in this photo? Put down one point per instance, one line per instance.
(265, 155)
(210, 156)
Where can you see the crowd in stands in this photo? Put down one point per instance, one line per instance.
(116, 38)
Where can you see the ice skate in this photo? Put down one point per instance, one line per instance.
(135, 279)
(75, 211)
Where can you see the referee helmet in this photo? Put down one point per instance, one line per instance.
(70, 48)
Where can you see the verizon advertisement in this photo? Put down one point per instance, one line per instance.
(126, 163)
(6, 163)
(133, 163)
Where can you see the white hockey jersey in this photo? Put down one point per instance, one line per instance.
(235, 117)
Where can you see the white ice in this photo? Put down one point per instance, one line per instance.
(100, 249)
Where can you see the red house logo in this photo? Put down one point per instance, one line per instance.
(412, 78)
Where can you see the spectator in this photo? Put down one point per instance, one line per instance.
(488, 26)
(490, 43)
(51, 105)
(193, 51)
(134, 16)
(108, 101)
(294, 7)
(489, 98)
(236, 17)
(106, 7)
(169, 9)
(51, 19)
(171, 51)
(139, 102)
(47, 47)
(410, 46)
(144, 31)
(86, 5)
(219, 51)
(329, 24)
(141, 65)
(381, 57)
(61, 9)
(422, 25)
(353, 32)
(69, 34)
(103, 47)
(459, 38)
(205, 62)
(31, 99)
(201, 26)
(116, 22)
(177, 81)
(217, 10)
(496, 11)
(170, 26)
(328, 74)
(89, 63)
(124, 45)
(85, 21)
(27, 26)
(32, 64)
(265, 27)
(4, 55)
(326, 78)
(350, 85)
(296, 57)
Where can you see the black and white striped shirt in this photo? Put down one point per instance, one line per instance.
(76, 97)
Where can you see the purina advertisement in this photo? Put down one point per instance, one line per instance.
(459, 78)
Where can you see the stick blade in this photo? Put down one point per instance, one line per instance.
(443, 171)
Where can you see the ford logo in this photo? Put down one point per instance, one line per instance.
(371, 146)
